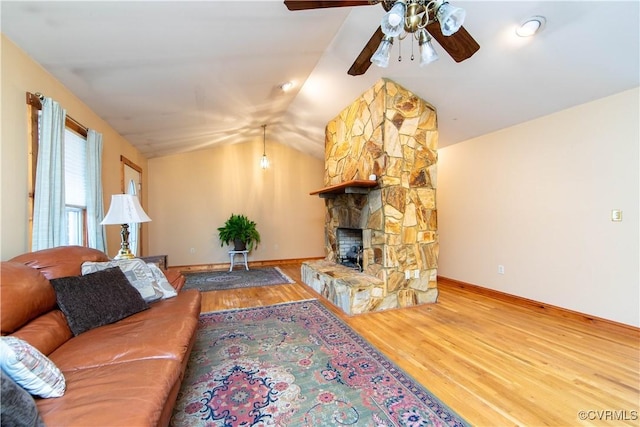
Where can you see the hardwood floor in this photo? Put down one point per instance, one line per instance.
(494, 363)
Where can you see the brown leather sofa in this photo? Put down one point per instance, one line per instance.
(127, 373)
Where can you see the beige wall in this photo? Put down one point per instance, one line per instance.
(20, 74)
(193, 194)
(537, 198)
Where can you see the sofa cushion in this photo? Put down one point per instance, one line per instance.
(137, 272)
(123, 394)
(30, 369)
(26, 294)
(46, 332)
(62, 261)
(175, 278)
(166, 330)
(96, 299)
(18, 408)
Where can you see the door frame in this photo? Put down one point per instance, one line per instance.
(124, 162)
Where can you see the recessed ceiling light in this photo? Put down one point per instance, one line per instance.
(286, 86)
(531, 26)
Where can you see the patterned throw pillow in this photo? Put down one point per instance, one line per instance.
(163, 284)
(96, 299)
(137, 273)
(30, 369)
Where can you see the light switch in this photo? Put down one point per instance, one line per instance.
(616, 215)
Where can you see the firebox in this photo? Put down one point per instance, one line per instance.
(350, 248)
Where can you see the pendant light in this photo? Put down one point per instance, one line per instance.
(264, 162)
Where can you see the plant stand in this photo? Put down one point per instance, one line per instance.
(232, 255)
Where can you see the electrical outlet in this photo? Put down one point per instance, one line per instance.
(616, 215)
(416, 274)
(500, 269)
(407, 274)
(192, 250)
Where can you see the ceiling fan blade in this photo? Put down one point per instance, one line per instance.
(363, 61)
(321, 4)
(459, 45)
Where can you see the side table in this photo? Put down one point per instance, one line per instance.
(232, 255)
(159, 260)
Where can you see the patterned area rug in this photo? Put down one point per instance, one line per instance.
(296, 364)
(219, 280)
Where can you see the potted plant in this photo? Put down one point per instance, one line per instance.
(241, 231)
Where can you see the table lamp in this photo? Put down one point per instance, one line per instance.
(125, 209)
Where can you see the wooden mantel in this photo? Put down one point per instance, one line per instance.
(357, 186)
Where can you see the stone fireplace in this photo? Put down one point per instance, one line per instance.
(392, 134)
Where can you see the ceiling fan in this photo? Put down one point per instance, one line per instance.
(422, 19)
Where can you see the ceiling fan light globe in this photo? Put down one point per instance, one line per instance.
(451, 18)
(393, 21)
(383, 53)
(427, 54)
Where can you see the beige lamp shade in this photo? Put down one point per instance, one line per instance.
(125, 209)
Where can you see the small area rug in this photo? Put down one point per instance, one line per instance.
(296, 364)
(219, 280)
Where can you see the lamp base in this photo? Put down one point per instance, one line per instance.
(124, 252)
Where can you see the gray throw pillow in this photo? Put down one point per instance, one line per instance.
(18, 408)
(96, 299)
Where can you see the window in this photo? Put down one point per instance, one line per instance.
(75, 178)
(75, 225)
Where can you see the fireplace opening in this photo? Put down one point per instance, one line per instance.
(350, 247)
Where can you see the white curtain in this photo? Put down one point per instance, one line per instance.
(95, 207)
(49, 217)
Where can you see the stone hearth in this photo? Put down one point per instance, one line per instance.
(352, 291)
(389, 132)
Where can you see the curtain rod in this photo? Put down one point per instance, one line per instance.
(35, 100)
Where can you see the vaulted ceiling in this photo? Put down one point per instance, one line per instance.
(176, 76)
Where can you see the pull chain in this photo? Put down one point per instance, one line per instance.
(412, 49)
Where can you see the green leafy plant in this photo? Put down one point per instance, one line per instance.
(239, 229)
